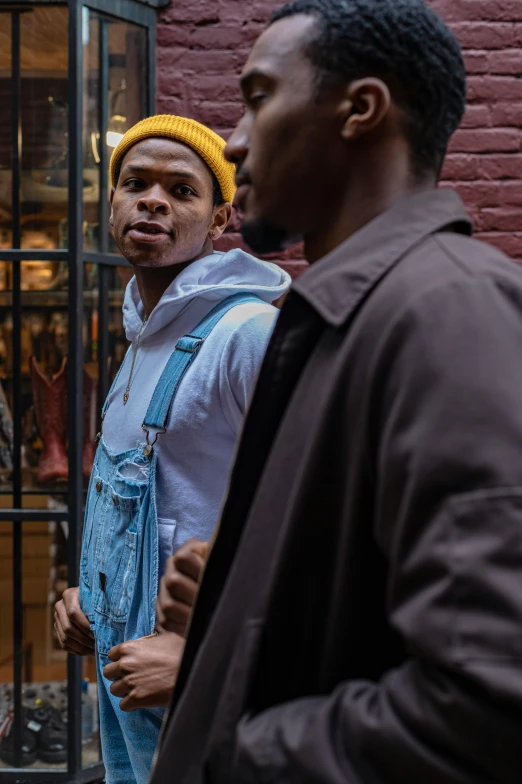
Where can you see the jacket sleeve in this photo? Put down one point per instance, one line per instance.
(447, 452)
(242, 359)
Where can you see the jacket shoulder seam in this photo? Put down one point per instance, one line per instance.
(459, 262)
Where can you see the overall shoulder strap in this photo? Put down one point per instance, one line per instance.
(184, 354)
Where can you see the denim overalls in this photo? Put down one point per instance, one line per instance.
(119, 561)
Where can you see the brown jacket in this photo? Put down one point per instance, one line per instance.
(360, 619)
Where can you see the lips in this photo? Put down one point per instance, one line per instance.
(148, 232)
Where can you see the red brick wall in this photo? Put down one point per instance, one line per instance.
(485, 160)
(203, 44)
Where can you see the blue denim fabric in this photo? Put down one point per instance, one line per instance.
(118, 589)
(119, 561)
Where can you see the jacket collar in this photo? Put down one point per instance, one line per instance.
(336, 284)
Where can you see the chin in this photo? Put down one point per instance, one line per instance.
(263, 237)
(150, 261)
(153, 257)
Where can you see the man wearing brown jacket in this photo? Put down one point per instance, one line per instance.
(360, 616)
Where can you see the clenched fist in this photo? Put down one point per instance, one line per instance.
(144, 671)
(71, 626)
(179, 586)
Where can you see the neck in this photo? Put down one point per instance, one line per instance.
(154, 281)
(369, 192)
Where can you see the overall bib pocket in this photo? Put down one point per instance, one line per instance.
(166, 532)
(116, 553)
(121, 597)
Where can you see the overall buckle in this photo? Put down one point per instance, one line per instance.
(149, 448)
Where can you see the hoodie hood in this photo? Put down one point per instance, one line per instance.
(212, 278)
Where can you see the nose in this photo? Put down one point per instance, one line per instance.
(154, 200)
(238, 144)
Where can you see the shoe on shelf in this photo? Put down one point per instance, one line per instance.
(51, 736)
(7, 752)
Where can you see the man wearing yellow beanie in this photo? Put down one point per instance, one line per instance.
(199, 322)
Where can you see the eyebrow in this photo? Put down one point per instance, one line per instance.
(184, 174)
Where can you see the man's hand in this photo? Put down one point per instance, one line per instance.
(179, 586)
(144, 671)
(71, 626)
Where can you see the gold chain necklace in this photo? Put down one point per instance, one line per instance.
(134, 355)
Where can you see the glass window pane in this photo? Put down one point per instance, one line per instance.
(91, 749)
(91, 396)
(127, 78)
(6, 633)
(45, 158)
(6, 162)
(6, 390)
(118, 343)
(91, 746)
(124, 54)
(44, 664)
(91, 127)
(127, 84)
(44, 576)
(45, 346)
(44, 696)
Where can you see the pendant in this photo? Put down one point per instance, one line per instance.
(125, 398)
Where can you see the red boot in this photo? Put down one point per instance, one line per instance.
(50, 405)
(90, 410)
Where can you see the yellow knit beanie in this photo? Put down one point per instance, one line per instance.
(208, 145)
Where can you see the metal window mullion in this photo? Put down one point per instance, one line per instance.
(17, 516)
(75, 376)
(104, 124)
(17, 388)
(92, 773)
(33, 255)
(124, 10)
(103, 271)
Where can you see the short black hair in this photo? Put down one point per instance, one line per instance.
(217, 195)
(409, 47)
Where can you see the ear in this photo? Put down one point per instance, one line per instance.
(221, 219)
(111, 199)
(365, 105)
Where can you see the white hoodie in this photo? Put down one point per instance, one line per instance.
(196, 452)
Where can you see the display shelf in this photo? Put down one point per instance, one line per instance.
(56, 491)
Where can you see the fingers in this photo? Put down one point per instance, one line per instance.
(146, 672)
(69, 633)
(113, 671)
(202, 549)
(115, 653)
(120, 688)
(190, 559)
(129, 704)
(71, 638)
(71, 600)
(173, 614)
(181, 588)
(70, 645)
(118, 674)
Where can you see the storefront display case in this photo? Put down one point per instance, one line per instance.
(73, 77)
